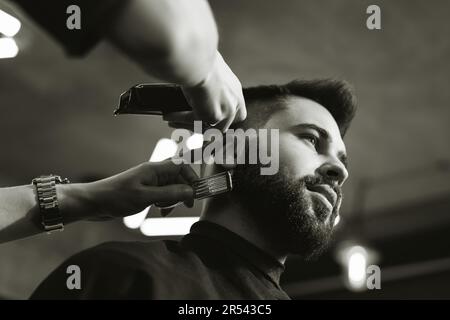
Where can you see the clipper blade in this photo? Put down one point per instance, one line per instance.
(213, 185)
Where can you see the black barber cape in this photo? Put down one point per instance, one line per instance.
(210, 262)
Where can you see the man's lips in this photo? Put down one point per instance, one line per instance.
(326, 191)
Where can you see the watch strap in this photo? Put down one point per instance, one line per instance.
(51, 217)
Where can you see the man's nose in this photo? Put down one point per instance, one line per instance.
(334, 170)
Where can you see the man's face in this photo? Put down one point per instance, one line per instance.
(300, 203)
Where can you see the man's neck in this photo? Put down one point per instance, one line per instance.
(229, 214)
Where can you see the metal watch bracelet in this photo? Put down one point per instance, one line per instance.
(51, 217)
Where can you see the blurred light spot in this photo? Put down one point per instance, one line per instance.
(167, 226)
(336, 220)
(9, 25)
(164, 149)
(8, 48)
(195, 141)
(354, 259)
(357, 267)
(134, 221)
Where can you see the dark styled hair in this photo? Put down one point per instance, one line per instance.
(335, 95)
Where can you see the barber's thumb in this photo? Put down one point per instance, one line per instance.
(172, 193)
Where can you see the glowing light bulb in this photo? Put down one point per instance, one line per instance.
(8, 48)
(9, 25)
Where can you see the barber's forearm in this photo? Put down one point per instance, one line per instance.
(175, 40)
(19, 211)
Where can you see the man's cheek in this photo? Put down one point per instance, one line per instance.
(298, 160)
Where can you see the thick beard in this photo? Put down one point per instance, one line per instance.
(282, 208)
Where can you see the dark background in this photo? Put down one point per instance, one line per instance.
(56, 117)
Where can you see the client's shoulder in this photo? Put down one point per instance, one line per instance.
(144, 252)
(119, 270)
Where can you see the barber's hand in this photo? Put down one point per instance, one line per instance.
(217, 101)
(132, 191)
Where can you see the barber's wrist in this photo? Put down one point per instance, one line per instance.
(202, 78)
(74, 202)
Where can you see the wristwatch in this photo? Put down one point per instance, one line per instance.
(51, 217)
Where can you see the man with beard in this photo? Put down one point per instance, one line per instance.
(238, 248)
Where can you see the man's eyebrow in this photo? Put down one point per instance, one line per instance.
(325, 135)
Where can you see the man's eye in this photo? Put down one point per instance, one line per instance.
(311, 139)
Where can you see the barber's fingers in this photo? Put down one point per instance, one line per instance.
(188, 174)
(241, 113)
(225, 123)
(166, 208)
(165, 211)
(182, 125)
(185, 119)
(166, 172)
(169, 182)
(189, 203)
(182, 116)
(168, 205)
(188, 126)
(233, 106)
(218, 99)
(170, 193)
(186, 177)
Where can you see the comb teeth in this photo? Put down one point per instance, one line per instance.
(213, 185)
